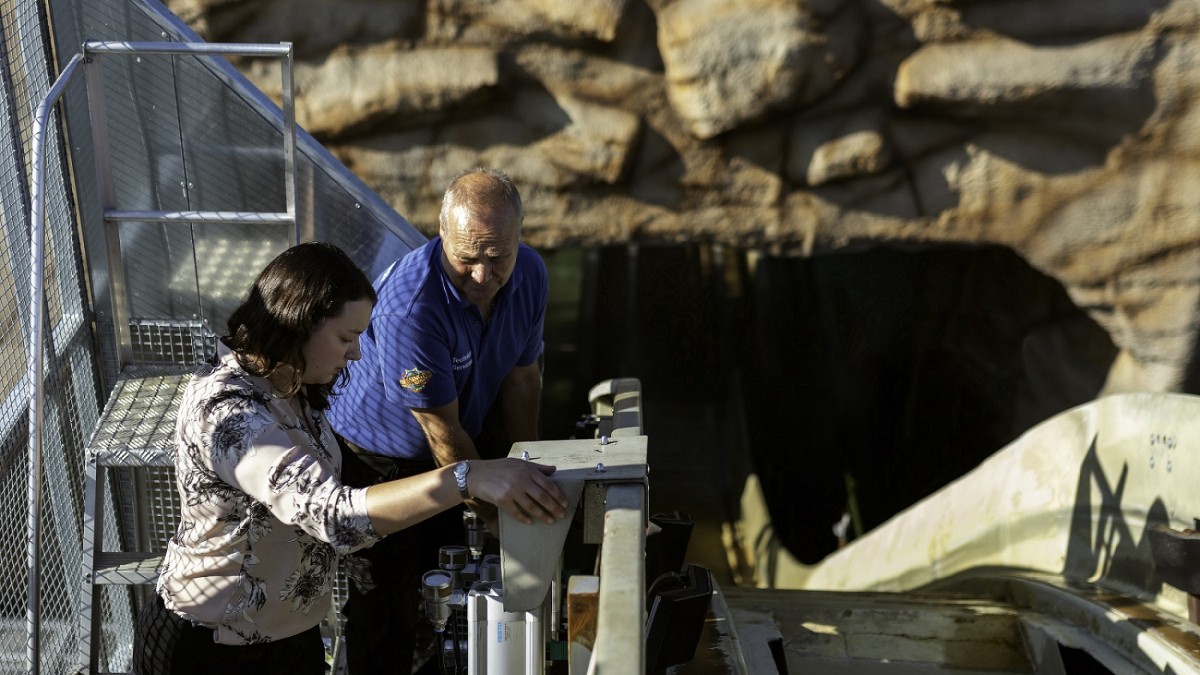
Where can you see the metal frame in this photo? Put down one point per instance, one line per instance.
(617, 403)
(113, 216)
(319, 155)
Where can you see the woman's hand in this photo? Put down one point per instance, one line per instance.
(519, 487)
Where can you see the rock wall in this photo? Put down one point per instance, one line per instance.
(1066, 130)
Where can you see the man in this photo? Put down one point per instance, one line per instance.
(457, 332)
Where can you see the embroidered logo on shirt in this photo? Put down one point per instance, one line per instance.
(415, 380)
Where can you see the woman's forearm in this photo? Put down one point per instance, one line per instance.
(397, 504)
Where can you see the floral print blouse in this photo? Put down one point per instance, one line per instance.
(263, 515)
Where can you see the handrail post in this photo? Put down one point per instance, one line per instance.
(36, 360)
(301, 223)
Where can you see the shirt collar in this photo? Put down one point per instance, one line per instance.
(228, 360)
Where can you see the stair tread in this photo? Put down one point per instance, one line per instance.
(137, 425)
(126, 568)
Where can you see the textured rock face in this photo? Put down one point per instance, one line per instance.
(1066, 130)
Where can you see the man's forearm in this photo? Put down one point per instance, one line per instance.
(520, 399)
(452, 444)
(452, 447)
(448, 441)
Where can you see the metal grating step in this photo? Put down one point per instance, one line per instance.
(137, 426)
(126, 568)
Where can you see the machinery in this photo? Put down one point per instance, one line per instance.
(503, 614)
(464, 600)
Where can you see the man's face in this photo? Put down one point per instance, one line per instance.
(479, 253)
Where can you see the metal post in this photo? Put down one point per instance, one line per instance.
(93, 76)
(301, 226)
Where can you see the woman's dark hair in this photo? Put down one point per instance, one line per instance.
(299, 289)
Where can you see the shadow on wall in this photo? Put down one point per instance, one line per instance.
(1061, 22)
(1191, 376)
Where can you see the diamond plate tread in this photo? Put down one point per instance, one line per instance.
(126, 568)
(137, 426)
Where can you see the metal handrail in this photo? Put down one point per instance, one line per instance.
(186, 48)
(208, 217)
(283, 51)
(37, 302)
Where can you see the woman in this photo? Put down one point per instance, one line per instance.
(248, 575)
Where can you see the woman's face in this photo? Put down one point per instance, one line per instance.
(335, 343)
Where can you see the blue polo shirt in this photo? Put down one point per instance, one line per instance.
(427, 346)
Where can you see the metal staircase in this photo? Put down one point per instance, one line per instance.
(132, 445)
(135, 432)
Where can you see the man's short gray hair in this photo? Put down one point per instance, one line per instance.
(468, 191)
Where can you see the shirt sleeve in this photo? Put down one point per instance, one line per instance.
(414, 357)
(252, 452)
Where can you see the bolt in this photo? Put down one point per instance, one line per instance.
(524, 454)
(599, 467)
(604, 440)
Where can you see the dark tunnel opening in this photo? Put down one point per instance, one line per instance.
(850, 383)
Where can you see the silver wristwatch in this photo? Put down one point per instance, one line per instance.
(461, 469)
